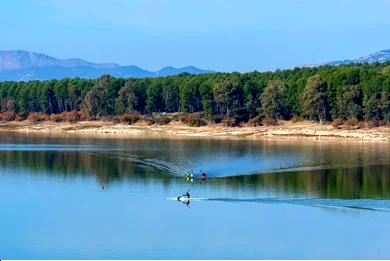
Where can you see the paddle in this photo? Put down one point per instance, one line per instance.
(185, 193)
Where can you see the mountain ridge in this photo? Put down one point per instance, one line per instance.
(20, 59)
(380, 56)
(21, 65)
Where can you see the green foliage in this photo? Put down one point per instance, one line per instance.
(274, 102)
(386, 107)
(373, 107)
(314, 99)
(190, 96)
(131, 98)
(170, 94)
(154, 101)
(100, 100)
(349, 102)
(162, 120)
(207, 99)
(193, 119)
(344, 92)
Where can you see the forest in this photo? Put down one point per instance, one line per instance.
(354, 92)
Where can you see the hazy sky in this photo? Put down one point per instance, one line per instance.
(241, 35)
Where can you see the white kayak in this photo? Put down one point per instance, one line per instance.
(184, 199)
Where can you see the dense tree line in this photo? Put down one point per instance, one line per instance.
(357, 91)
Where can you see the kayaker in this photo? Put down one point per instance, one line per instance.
(186, 196)
(203, 175)
(188, 176)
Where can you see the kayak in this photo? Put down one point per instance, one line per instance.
(184, 199)
(191, 199)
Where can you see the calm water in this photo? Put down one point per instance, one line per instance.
(110, 198)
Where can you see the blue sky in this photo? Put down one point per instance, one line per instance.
(241, 35)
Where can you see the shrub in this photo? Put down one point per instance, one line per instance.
(184, 118)
(337, 123)
(162, 120)
(130, 118)
(70, 116)
(229, 121)
(7, 116)
(20, 117)
(197, 122)
(176, 116)
(149, 119)
(55, 118)
(255, 122)
(217, 118)
(296, 119)
(269, 122)
(370, 124)
(106, 118)
(84, 116)
(194, 120)
(36, 117)
(352, 122)
(116, 119)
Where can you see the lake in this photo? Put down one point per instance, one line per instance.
(101, 198)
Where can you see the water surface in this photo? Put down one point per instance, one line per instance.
(110, 198)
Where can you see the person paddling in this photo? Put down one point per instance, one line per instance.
(203, 175)
(186, 196)
(189, 176)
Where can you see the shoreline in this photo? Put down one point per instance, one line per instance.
(286, 130)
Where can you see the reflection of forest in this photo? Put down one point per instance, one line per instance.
(69, 164)
(370, 181)
(359, 182)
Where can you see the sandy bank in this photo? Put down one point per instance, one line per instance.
(285, 130)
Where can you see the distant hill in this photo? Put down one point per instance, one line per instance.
(19, 65)
(381, 56)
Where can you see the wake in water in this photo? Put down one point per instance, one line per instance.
(228, 167)
(216, 165)
(221, 159)
(361, 204)
(155, 163)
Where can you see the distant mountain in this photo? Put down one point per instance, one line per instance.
(18, 65)
(188, 69)
(381, 56)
